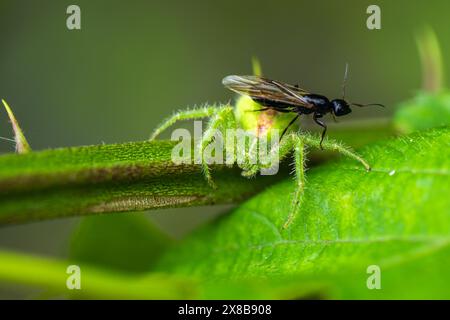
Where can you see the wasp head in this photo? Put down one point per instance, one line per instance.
(340, 107)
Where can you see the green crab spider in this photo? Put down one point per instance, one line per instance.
(260, 124)
(242, 117)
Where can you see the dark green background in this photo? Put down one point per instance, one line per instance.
(135, 62)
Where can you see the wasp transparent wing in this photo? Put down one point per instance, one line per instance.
(259, 88)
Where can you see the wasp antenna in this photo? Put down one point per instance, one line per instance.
(345, 81)
(367, 105)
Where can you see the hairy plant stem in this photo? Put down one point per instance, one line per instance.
(115, 178)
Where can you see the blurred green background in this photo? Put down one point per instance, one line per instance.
(135, 62)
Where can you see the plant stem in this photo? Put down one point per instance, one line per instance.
(51, 274)
(110, 178)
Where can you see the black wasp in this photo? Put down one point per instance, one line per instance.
(286, 98)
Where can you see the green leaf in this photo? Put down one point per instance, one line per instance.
(424, 111)
(105, 241)
(397, 217)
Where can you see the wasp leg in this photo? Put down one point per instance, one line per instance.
(323, 125)
(222, 119)
(290, 123)
(184, 115)
(334, 118)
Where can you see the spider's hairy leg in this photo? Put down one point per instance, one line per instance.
(333, 145)
(298, 145)
(277, 153)
(292, 142)
(251, 164)
(184, 115)
(222, 119)
(229, 122)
